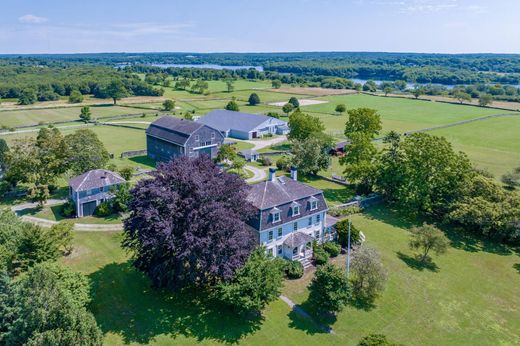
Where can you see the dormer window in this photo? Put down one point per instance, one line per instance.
(276, 215)
(313, 201)
(295, 207)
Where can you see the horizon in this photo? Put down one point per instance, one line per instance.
(268, 26)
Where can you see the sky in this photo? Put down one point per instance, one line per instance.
(433, 26)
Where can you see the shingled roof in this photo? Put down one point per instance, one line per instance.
(94, 179)
(172, 129)
(225, 120)
(281, 190)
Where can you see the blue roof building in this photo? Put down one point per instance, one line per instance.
(243, 125)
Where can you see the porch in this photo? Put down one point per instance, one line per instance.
(298, 247)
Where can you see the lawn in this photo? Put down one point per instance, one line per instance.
(396, 114)
(492, 144)
(334, 193)
(470, 297)
(37, 116)
(53, 214)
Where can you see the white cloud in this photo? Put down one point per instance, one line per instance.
(32, 19)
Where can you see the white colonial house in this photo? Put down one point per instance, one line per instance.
(290, 216)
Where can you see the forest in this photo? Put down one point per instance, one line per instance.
(449, 69)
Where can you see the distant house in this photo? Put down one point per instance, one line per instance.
(339, 148)
(249, 154)
(290, 215)
(169, 137)
(91, 189)
(244, 125)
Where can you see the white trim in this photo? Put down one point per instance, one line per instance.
(205, 146)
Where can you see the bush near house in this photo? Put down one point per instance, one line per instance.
(68, 209)
(332, 248)
(104, 209)
(320, 255)
(294, 269)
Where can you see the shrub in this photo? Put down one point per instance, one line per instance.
(345, 211)
(68, 209)
(265, 161)
(329, 289)
(294, 269)
(283, 163)
(273, 115)
(126, 172)
(342, 230)
(320, 255)
(104, 209)
(375, 340)
(332, 248)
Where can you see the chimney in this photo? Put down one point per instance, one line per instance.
(272, 174)
(294, 173)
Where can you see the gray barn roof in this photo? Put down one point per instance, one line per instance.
(172, 129)
(225, 120)
(282, 190)
(95, 179)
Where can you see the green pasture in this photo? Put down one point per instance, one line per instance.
(491, 144)
(48, 115)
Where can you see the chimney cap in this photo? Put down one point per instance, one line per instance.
(294, 168)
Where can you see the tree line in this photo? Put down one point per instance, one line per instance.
(31, 83)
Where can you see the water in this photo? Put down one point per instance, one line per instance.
(211, 66)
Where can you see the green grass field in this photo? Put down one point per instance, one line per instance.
(397, 114)
(492, 144)
(470, 297)
(36, 116)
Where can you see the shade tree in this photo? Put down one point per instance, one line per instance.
(427, 238)
(257, 283)
(329, 289)
(186, 225)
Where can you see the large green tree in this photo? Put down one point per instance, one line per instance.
(311, 155)
(303, 126)
(427, 238)
(486, 208)
(329, 290)
(86, 151)
(368, 274)
(363, 120)
(257, 283)
(423, 173)
(116, 90)
(22, 244)
(50, 309)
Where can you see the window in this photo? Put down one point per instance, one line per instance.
(101, 189)
(318, 218)
(212, 135)
(317, 234)
(196, 138)
(295, 226)
(279, 249)
(270, 236)
(310, 221)
(295, 251)
(314, 205)
(276, 217)
(296, 210)
(280, 232)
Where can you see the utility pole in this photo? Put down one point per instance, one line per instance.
(348, 249)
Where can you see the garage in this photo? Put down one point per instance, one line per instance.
(88, 208)
(205, 151)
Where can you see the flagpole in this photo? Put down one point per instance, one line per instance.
(348, 249)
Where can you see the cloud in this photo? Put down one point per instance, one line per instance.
(32, 19)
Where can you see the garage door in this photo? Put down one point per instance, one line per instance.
(88, 208)
(205, 151)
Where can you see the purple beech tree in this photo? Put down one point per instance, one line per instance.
(187, 224)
